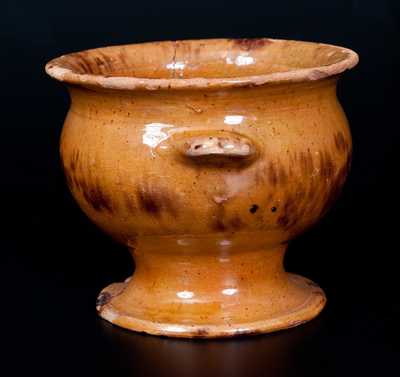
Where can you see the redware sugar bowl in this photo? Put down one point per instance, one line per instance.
(205, 157)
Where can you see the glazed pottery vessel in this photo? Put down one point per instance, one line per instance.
(205, 157)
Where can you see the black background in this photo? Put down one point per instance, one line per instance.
(54, 261)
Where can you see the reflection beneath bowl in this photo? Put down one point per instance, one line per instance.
(278, 354)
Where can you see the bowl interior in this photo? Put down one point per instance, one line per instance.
(218, 58)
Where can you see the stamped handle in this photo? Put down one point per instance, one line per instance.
(219, 148)
(226, 146)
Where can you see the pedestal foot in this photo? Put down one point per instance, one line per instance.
(193, 288)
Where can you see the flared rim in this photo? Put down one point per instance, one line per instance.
(65, 70)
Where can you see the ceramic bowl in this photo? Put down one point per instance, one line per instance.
(205, 157)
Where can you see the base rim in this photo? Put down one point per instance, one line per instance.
(310, 308)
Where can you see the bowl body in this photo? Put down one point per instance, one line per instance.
(206, 178)
(125, 162)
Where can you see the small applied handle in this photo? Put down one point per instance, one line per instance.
(212, 148)
(225, 146)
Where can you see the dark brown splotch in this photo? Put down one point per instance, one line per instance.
(316, 195)
(155, 200)
(70, 168)
(103, 299)
(300, 192)
(123, 58)
(74, 160)
(217, 222)
(236, 223)
(306, 163)
(288, 216)
(129, 204)
(251, 43)
(81, 184)
(327, 167)
(291, 213)
(149, 202)
(222, 223)
(336, 186)
(96, 197)
(81, 179)
(79, 66)
(340, 142)
(283, 177)
(259, 176)
(283, 221)
(108, 61)
(272, 174)
(218, 225)
(84, 63)
(98, 62)
(201, 333)
(91, 63)
(100, 65)
(276, 174)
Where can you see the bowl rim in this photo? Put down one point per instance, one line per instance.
(55, 69)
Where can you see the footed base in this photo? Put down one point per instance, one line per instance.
(313, 302)
(210, 287)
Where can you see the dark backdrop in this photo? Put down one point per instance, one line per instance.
(54, 261)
